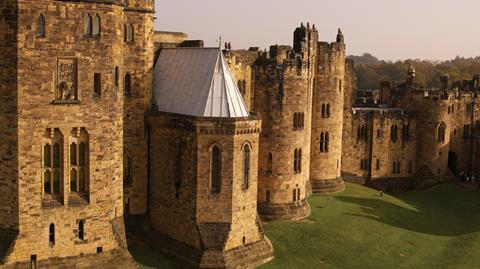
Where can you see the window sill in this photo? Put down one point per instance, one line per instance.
(80, 242)
(52, 202)
(66, 102)
(78, 200)
(91, 36)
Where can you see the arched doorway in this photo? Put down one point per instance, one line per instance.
(452, 162)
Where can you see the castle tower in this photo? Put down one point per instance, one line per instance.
(137, 83)
(327, 117)
(283, 95)
(63, 155)
(204, 154)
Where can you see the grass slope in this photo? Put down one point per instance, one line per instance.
(433, 228)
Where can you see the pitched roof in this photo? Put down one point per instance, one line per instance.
(196, 82)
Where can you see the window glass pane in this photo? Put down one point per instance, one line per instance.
(46, 155)
(216, 169)
(73, 154)
(56, 182)
(73, 180)
(82, 154)
(82, 180)
(56, 155)
(41, 26)
(47, 177)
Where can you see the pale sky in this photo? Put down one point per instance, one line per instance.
(389, 29)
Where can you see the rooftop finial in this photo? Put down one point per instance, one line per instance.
(340, 38)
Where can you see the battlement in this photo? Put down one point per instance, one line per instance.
(331, 48)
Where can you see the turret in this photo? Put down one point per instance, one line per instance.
(340, 38)
(327, 117)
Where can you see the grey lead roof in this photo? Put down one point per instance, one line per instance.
(196, 82)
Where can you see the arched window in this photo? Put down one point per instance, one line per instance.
(328, 110)
(246, 166)
(41, 26)
(323, 111)
(297, 161)
(117, 75)
(127, 168)
(340, 85)
(132, 33)
(79, 164)
(327, 141)
(295, 120)
(441, 132)
(302, 120)
(96, 25)
(394, 133)
(51, 234)
(87, 28)
(125, 30)
(129, 33)
(81, 230)
(270, 162)
(53, 163)
(322, 142)
(215, 169)
(127, 84)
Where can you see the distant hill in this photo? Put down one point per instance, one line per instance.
(366, 58)
(369, 70)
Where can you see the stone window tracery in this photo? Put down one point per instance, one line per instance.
(79, 161)
(53, 164)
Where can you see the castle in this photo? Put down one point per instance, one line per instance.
(104, 118)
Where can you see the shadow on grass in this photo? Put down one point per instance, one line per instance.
(442, 210)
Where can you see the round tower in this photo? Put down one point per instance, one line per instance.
(283, 94)
(327, 117)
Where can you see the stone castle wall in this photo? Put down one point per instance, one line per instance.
(372, 157)
(171, 216)
(9, 211)
(56, 92)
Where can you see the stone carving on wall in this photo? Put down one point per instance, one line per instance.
(66, 88)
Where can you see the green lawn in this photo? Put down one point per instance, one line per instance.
(433, 228)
